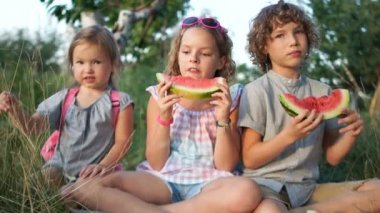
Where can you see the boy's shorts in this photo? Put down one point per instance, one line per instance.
(281, 197)
(322, 191)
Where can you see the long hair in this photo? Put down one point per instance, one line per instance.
(223, 43)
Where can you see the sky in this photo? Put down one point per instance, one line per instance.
(234, 15)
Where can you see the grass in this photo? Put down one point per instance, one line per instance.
(23, 189)
(22, 186)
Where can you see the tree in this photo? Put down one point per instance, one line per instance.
(246, 74)
(29, 65)
(19, 51)
(350, 45)
(136, 24)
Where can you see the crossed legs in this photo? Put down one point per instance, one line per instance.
(143, 192)
(230, 194)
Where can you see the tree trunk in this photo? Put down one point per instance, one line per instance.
(90, 18)
(374, 108)
(357, 89)
(123, 26)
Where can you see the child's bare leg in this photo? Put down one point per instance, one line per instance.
(270, 205)
(365, 198)
(231, 194)
(122, 191)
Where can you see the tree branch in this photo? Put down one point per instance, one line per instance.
(351, 78)
(374, 108)
(123, 26)
(90, 18)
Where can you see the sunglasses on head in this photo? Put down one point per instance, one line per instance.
(206, 22)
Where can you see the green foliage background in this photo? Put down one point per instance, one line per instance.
(350, 41)
(144, 32)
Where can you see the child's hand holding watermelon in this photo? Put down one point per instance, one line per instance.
(222, 102)
(353, 123)
(302, 125)
(166, 100)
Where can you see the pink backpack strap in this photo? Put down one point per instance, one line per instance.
(71, 93)
(115, 101)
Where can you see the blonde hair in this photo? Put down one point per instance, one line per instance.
(98, 35)
(223, 43)
(267, 20)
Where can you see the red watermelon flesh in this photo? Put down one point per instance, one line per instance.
(190, 88)
(330, 105)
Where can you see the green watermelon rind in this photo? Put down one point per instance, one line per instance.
(345, 102)
(187, 92)
(286, 107)
(293, 110)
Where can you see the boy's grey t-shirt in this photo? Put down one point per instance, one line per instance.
(88, 133)
(260, 109)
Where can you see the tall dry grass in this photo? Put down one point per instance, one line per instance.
(23, 189)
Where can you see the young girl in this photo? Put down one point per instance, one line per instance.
(192, 146)
(90, 143)
(282, 153)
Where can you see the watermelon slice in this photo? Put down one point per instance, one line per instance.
(330, 106)
(190, 88)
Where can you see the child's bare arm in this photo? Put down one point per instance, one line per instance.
(158, 138)
(123, 141)
(158, 134)
(123, 137)
(338, 143)
(29, 124)
(227, 145)
(257, 153)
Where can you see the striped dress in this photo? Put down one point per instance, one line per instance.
(193, 136)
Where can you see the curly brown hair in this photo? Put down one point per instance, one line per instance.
(267, 20)
(223, 43)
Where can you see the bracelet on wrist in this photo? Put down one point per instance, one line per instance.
(223, 124)
(164, 122)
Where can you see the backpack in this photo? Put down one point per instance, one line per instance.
(47, 150)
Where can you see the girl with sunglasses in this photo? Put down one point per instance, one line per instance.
(281, 153)
(192, 145)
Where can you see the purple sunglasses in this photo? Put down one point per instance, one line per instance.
(206, 22)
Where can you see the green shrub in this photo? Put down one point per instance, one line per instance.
(22, 187)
